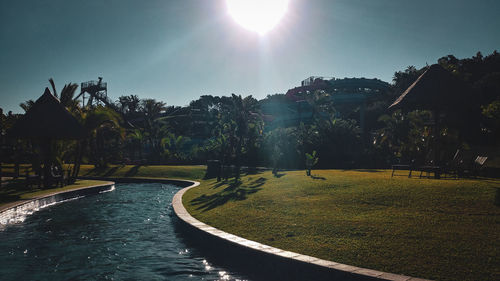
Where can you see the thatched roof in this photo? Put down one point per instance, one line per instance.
(48, 119)
(435, 89)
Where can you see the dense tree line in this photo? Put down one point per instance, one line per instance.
(237, 131)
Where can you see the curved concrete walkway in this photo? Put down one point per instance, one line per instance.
(343, 271)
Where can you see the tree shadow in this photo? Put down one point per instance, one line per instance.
(110, 172)
(7, 198)
(364, 170)
(252, 171)
(133, 171)
(278, 175)
(228, 174)
(219, 184)
(235, 191)
(317, 177)
(96, 171)
(14, 189)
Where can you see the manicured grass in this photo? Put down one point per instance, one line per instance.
(438, 229)
(17, 190)
(8, 169)
(173, 172)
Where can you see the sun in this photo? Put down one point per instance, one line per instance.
(257, 15)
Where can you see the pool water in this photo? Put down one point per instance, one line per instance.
(127, 234)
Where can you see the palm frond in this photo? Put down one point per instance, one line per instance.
(51, 81)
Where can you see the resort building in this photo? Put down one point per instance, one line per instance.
(347, 94)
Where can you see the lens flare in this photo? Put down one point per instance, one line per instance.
(257, 15)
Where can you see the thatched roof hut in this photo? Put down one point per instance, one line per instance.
(48, 119)
(442, 93)
(436, 89)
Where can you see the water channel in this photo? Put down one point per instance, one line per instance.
(127, 234)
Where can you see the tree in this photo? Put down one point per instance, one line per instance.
(151, 110)
(128, 105)
(27, 105)
(67, 96)
(94, 120)
(311, 161)
(403, 79)
(237, 117)
(339, 143)
(134, 142)
(174, 147)
(492, 114)
(322, 106)
(281, 149)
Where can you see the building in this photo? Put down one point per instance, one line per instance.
(294, 107)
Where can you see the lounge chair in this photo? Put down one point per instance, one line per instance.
(430, 169)
(478, 164)
(403, 167)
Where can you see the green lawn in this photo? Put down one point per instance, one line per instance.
(174, 172)
(17, 190)
(439, 229)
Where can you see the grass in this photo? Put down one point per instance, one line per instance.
(16, 190)
(140, 171)
(8, 169)
(438, 229)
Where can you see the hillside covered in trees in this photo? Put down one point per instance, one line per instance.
(281, 129)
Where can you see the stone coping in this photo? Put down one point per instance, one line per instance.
(12, 212)
(358, 273)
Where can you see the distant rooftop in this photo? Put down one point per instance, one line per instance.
(339, 85)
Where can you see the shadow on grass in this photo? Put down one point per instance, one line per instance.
(13, 191)
(278, 175)
(243, 172)
(110, 172)
(7, 198)
(133, 171)
(364, 170)
(98, 171)
(235, 191)
(317, 177)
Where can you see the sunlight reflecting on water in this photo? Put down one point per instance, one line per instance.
(125, 234)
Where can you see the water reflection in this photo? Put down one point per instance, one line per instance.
(128, 234)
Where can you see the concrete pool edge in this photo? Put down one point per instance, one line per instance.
(14, 211)
(347, 272)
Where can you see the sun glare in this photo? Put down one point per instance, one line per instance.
(257, 15)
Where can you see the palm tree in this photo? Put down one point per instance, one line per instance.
(93, 120)
(153, 130)
(27, 105)
(134, 142)
(236, 118)
(67, 96)
(322, 106)
(173, 146)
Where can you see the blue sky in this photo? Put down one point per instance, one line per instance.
(177, 50)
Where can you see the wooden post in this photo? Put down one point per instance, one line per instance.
(437, 133)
